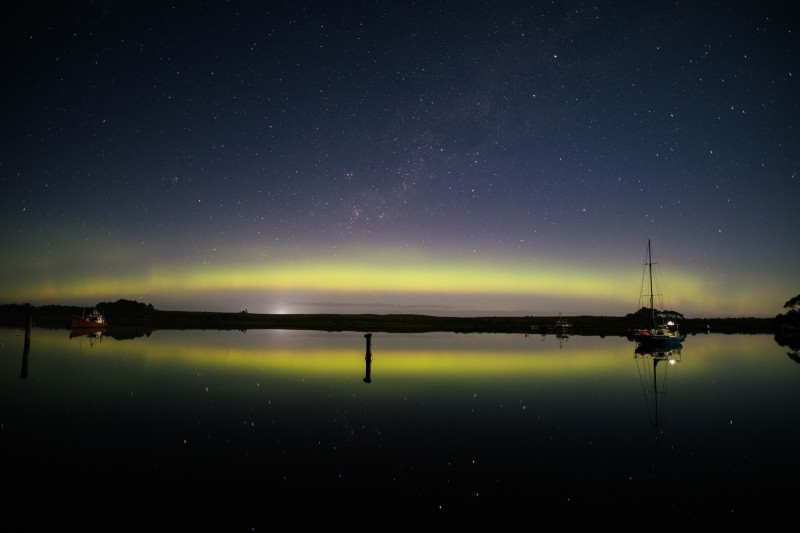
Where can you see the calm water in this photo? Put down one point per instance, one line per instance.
(266, 426)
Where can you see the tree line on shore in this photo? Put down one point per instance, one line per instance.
(129, 313)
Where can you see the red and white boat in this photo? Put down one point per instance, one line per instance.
(93, 320)
(92, 333)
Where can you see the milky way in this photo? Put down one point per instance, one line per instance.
(435, 157)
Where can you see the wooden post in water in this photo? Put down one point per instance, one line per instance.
(368, 358)
(26, 350)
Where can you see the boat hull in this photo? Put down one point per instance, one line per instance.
(79, 323)
(95, 320)
(655, 341)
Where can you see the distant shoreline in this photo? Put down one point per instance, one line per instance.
(151, 320)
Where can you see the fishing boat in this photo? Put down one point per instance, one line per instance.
(661, 330)
(93, 320)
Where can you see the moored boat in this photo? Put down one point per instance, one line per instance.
(562, 327)
(660, 330)
(93, 320)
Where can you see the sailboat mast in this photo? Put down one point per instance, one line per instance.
(650, 268)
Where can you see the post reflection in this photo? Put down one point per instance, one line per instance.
(27, 348)
(368, 359)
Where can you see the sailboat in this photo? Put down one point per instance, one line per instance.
(659, 331)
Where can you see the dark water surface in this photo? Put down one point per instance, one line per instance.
(267, 427)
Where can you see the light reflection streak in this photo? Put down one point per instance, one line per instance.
(323, 353)
(398, 354)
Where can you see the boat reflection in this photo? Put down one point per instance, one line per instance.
(92, 334)
(561, 336)
(653, 366)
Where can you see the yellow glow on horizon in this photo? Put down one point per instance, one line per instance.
(391, 271)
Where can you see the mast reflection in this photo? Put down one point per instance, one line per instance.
(653, 366)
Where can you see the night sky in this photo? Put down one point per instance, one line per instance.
(445, 158)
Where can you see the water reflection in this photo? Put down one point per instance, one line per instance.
(561, 336)
(368, 359)
(26, 349)
(790, 338)
(91, 334)
(654, 367)
(273, 425)
(323, 353)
